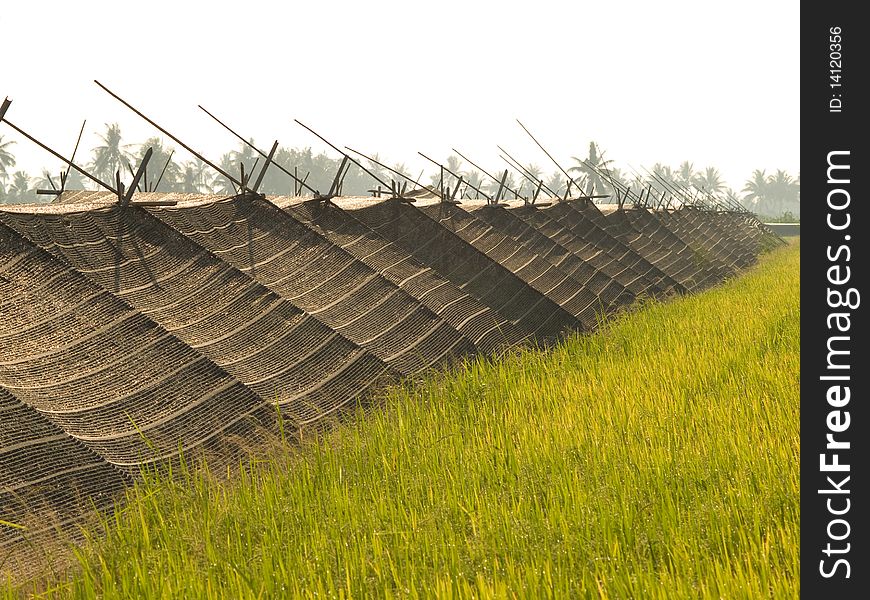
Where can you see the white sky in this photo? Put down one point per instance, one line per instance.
(666, 81)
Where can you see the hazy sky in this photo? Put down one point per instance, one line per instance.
(715, 83)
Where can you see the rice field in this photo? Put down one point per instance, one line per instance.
(657, 458)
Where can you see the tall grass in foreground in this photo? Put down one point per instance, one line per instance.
(657, 458)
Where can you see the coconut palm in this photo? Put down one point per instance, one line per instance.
(379, 171)
(509, 183)
(686, 173)
(733, 196)
(357, 182)
(160, 163)
(222, 185)
(615, 181)
(278, 182)
(46, 181)
(19, 191)
(661, 172)
(556, 182)
(783, 191)
(195, 177)
(756, 191)
(534, 171)
(454, 163)
(475, 179)
(618, 176)
(111, 156)
(709, 180)
(244, 156)
(400, 181)
(74, 181)
(7, 160)
(588, 167)
(322, 170)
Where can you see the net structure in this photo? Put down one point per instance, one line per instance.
(105, 373)
(485, 327)
(284, 355)
(471, 269)
(307, 269)
(569, 293)
(655, 243)
(524, 225)
(133, 336)
(583, 230)
(47, 479)
(570, 229)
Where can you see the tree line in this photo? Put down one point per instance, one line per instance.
(774, 195)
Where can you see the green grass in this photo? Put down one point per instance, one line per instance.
(658, 458)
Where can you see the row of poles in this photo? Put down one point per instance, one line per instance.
(659, 193)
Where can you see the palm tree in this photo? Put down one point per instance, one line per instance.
(160, 159)
(710, 180)
(588, 167)
(111, 156)
(244, 156)
(618, 178)
(276, 181)
(534, 171)
(509, 183)
(322, 169)
(195, 177)
(686, 173)
(756, 190)
(474, 179)
(733, 196)
(19, 191)
(783, 190)
(556, 182)
(454, 163)
(617, 175)
(222, 185)
(378, 170)
(661, 172)
(188, 181)
(74, 181)
(403, 169)
(7, 161)
(46, 181)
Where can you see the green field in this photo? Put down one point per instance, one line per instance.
(658, 458)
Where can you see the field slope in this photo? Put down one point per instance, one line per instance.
(657, 458)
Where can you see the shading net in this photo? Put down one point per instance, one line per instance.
(287, 357)
(105, 373)
(546, 278)
(523, 225)
(47, 480)
(133, 337)
(307, 269)
(470, 268)
(472, 318)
